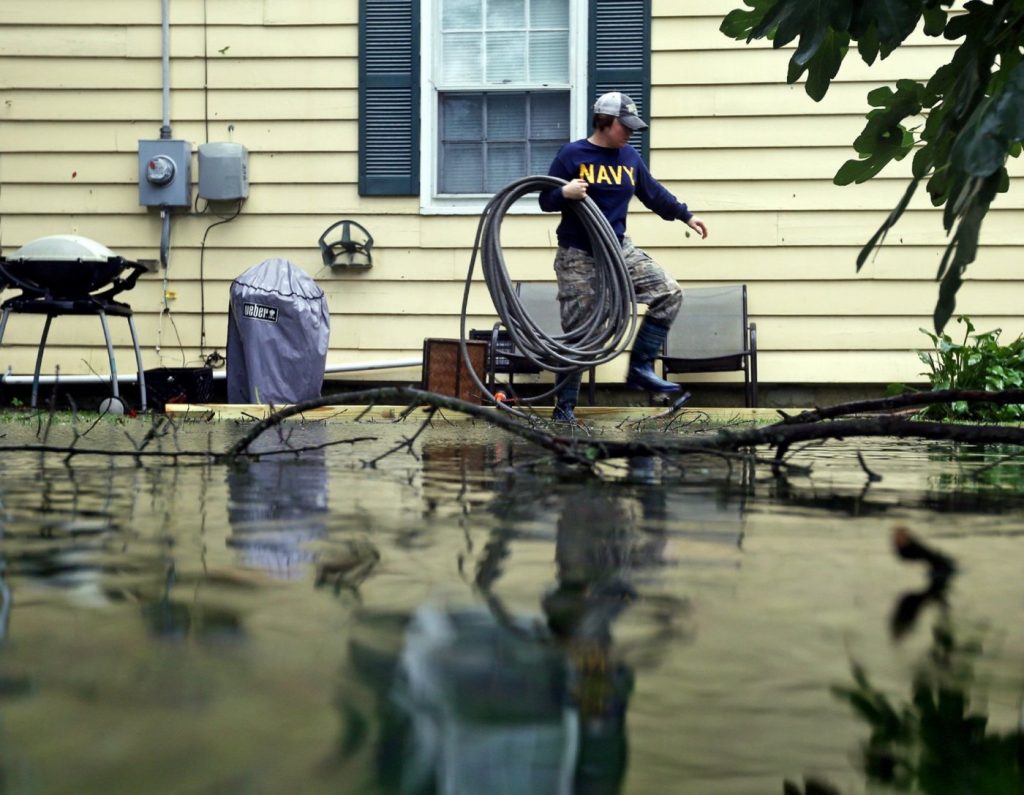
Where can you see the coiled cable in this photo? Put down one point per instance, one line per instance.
(599, 339)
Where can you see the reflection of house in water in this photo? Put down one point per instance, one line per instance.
(278, 504)
(58, 531)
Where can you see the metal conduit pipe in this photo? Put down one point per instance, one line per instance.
(165, 58)
(218, 375)
(165, 128)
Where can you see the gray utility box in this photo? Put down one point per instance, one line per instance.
(223, 171)
(165, 173)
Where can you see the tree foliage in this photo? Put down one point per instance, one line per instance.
(962, 124)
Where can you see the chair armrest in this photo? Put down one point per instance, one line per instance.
(752, 334)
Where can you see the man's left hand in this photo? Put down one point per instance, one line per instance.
(698, 226)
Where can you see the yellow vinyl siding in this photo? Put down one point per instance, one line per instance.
(80, 85)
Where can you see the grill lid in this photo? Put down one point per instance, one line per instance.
(66, 267)
(62, 248)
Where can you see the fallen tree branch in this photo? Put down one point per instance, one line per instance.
(808, 426)
(908, 400)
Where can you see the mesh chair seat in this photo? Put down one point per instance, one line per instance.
(713, 334)
(540, 300)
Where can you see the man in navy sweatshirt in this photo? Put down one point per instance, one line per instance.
(610, 171)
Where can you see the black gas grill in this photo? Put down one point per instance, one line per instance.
(71, 275)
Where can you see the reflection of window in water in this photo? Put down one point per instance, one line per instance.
(278, 504)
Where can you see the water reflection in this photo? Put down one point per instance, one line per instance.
(278, 505)
(479, 619)
(488, 698)
(938, 740)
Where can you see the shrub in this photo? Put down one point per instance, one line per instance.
(979, 362)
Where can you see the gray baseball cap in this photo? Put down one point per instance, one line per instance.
(617, 104)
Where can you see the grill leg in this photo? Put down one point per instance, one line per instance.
(39, 361)
(3, 322)
(138, 363)
(110, 354)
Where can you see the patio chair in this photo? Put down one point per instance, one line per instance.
(712, 334)
(540, 300)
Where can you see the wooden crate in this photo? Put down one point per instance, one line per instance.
(445, 371)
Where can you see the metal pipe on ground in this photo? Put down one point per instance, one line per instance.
(218, 375)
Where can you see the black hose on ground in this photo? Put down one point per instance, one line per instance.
(601, 338)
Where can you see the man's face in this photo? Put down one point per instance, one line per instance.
(619, 133)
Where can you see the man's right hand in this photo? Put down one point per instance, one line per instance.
(576, 189)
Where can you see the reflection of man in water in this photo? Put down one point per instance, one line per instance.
(599, 544)
(495, 706)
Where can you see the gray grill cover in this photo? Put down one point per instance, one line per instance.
(278, 330)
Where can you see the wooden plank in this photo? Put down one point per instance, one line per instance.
(693, 8)
(96, 73)
(672, 100)
(98, 136)
(345, 413)
(739, 132)
(736, 229)
(311, 40)
(182, 12)
(77, 196)
(669, 103)
(311, 72)
(746, 65)
(60, 105)
(187, 104)
(79, 42)
(839, 299)
(775, 164)
(688, 31)
(299, 12)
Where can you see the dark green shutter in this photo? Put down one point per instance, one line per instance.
(620, 56)
(389, 98)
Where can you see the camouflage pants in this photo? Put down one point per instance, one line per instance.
(575, 270)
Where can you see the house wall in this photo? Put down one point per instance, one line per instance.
(80, 85)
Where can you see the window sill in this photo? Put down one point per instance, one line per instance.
(474, 205)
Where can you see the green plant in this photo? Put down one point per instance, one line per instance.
(979, 362)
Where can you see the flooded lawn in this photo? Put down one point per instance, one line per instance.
(473, 619)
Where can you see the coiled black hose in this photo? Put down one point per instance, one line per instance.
(600, 338)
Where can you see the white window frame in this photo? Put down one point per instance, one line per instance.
(579, 111)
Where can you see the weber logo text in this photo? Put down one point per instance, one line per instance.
(260, 312)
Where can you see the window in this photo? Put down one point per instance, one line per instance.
(503, 93)
(457, 98)
(498, 102)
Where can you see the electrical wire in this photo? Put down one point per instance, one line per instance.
(600, 338)
(214, 359)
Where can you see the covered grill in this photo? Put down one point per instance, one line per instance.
(71, 275)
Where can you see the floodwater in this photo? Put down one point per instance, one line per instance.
(472, 618)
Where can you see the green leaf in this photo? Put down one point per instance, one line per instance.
(825, 64)
(893, 21)
(959, 254)
(858, 171)
(983, 145)
(739, 23)
(868, 44)
(935, 21)
(879, 237)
